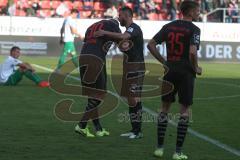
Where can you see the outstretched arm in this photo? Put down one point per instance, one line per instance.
(114, 35)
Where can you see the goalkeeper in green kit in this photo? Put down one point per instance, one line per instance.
(12, 70)
(68, 32)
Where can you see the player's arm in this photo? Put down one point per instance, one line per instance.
(194, 59)
(61, 34)
(194, 45)
(114, 35)
(74, 31)
(152, 46)
(154, 51)
(26, 66)
(62, 31)
(116, 30)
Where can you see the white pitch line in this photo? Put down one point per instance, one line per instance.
(200, 136)
(219, 97)
(155, 114)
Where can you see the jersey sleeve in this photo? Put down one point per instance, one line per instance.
(195, 39)
(159, 37)
(113, 28)
(133, 31)
(16, 62)
(118, 30)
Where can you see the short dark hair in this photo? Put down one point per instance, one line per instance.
(14, 48)
(127, 9)
(74, 10)
(187, 5)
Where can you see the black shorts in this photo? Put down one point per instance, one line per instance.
(94, 78)
(132, 83)
(183, 85)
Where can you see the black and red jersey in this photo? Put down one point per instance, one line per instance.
(99, 45)
(178, 36)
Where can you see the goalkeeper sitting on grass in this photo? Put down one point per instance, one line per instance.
(12, 70)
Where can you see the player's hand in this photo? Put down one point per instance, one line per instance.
(198, 70)
(22, 67)
(99, 33)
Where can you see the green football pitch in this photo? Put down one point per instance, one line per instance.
(30, 130)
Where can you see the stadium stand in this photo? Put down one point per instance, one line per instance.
(143, 9)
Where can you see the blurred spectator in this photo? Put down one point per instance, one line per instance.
(95, 14)
(12, 9)
(204, 6)
(233, 11)
(35, 6)
(136, 8)
(171, 8)
(4, 11)
(31, 11)
(143, 11)
(87, 4)
(111, 12)
(219, 4)
(151, 6)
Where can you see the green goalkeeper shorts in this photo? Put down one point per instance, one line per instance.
(14, 79)
(69, 48)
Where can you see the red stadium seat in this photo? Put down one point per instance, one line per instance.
(160, 17)
(3, 3)
(130, 5)
(22, 4)
(20, 13)
(45, 4)
(45, 13)
(55, 4)
(153, 16)
(158, 1)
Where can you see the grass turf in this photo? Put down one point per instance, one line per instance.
(30, 130)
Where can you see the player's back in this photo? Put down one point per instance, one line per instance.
(179, 35)
(68, 23)
(96, 45)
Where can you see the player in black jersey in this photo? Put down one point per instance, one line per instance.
(182, 40)
(133, 68)
(93, 74)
